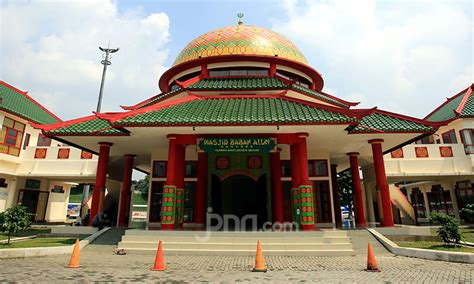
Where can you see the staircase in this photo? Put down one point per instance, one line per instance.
(407, 211)
(316, 243)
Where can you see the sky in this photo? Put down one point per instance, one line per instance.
(402, 56)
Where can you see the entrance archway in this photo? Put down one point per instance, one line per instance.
(240, 195)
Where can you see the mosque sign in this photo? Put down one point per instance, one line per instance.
(237, 144)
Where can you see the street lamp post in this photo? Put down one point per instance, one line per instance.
(104, 62)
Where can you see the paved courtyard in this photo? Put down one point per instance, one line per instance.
(100, 264)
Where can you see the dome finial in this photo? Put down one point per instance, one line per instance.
(240, 16)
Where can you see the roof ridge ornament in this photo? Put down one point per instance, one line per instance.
(240, 16)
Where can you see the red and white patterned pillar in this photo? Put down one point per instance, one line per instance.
(305, 188)
(168, 205)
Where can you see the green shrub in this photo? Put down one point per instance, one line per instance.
(15, 218)
(449, 227)
(467, 213)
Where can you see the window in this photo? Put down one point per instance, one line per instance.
(467, 137)
(317, 168)
(159, 169)
(418, 202)
(464, 193)
(191, 169)
(449, 137)
(440, 200)
(245, 71)
(43, 141)
(11, 137)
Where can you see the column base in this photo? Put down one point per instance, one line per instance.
(311, 227)
(361, 225)
(167, 227)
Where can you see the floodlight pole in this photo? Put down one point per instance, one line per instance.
(104, 62)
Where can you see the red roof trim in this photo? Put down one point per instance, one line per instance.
(409, 118)
(331, 108)
(191, 81)
(308, 70)
(337, 99)
(118, 116)
(312, 97)
(237, 124)
(25, 94)
(49, 127)
(464, 100)
(134, 107)
(240, 96)
(447, 101)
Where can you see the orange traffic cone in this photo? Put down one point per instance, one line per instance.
(159, 262)
(74, 261)
(259, 260)
(371, 262)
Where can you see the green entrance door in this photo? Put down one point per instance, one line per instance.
(238, 196)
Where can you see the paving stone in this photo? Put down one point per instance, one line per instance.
(103, 265)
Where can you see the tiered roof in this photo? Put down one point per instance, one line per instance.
(18, 103)
(210, 109)
(459, 105)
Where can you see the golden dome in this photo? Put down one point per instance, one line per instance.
(240, 40)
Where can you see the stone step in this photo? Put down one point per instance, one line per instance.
(301, 234)
(317, 243)
(235, 246)
(156, 239)
(249, 252)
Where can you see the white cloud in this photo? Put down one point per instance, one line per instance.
(51, 50)
(403, 56)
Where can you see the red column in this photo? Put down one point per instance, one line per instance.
(381, 179)
(357, 187)
(273, 70)
(200, 196)
(180, 168)
(277, 190)
(125, 193)
(204, 71)
(168, 205)
(306, 189)
(100, 177)
(335, 196)
(295, 182)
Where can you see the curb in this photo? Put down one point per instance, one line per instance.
(44, 251)
(462, 257)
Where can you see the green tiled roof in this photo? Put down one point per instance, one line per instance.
(377, 122)
(446, 112)
(15, 102)
(468, 109)
(162, 97)
(236, 111)
(237, 84)
(317, 95)
(95, 126)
